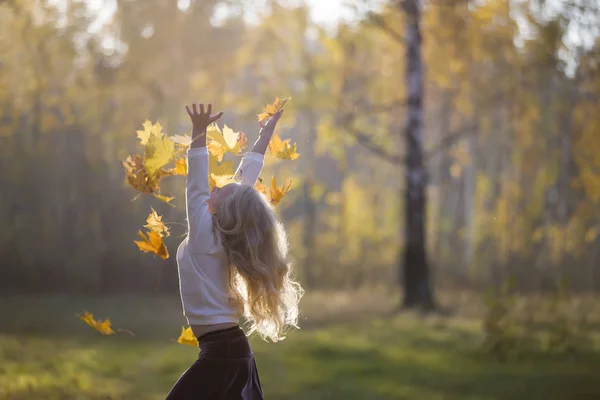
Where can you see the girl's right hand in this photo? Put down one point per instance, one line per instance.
(200, 121)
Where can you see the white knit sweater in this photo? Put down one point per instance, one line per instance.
(201, 261)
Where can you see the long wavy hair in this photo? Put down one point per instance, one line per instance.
(260, 276)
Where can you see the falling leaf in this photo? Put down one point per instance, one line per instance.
(153, 243)
(187, 337)
(282, 149)
(154, 223)
(180, 167)
(219, 173)
(101, 326)
(136, 175)
(149, 130)
(276, 193)
(262, 188)
(219, 180)
(272, 109)
(166, 199)
(226, 141)
(139, 179)
(182, 140)
(160, 151)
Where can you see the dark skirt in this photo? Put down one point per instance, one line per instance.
(225, 369)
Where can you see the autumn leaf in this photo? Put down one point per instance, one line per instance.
(282, 149)
(101, 326)
(180, 167)
(166, 199)
(276, 193)
(153, 243)
(160, 151)
(262, 188)
(187, 337)
(219, 180)
(220, 173)
(148, 131)
(225, 141)
(272, 109)
(154, 223)
(182, 140)
(136, 175)
(139, 179)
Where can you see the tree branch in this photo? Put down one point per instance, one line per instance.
(368, 142)
(378, 21)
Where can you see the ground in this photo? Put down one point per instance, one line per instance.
(348, 349)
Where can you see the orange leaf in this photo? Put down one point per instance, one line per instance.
(153, 243)
(136, 175)
(139, 179)
(273, 108)
(155, 224)
(101, 326)
(262, 188)
(282, 149)
(277, 193)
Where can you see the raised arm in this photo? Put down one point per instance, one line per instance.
(197, 189)
(252, 163)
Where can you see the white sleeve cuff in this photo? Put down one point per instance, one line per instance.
(198, 151)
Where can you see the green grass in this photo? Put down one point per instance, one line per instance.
(47, 353)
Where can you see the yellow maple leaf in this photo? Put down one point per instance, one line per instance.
(149, 130)
(187, 337)
(262, 188)
(139, 179)
(154, 223)
(136, 175)
(160, 151)
(276, 193)
(180, 167)
(182, 140)
(282, 149)
(219, 172)
(273, 108)
(225, 141)
(101, 326)
(153, 243)
(219, 180)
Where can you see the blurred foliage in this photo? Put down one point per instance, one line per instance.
(511, 123)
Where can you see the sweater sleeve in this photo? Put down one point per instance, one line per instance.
(250, 168)
(200, 232)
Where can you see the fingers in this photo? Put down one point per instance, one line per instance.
(216, 117)
(274, 119)
(200, 111)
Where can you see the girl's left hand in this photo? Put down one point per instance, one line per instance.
(269, 127)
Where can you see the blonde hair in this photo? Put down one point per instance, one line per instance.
(261, 277)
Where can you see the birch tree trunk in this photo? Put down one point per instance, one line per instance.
(417, 286)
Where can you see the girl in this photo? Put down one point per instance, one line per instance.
(233, 263)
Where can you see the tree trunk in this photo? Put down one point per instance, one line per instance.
(417, 286)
